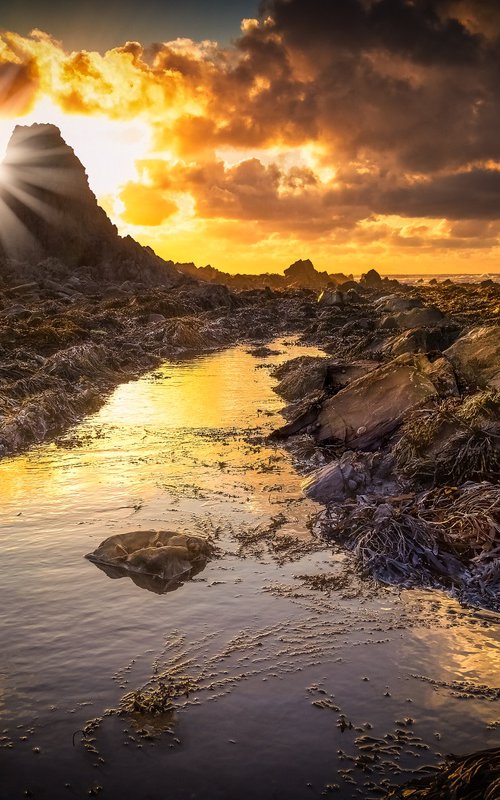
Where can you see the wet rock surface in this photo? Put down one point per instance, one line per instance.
(164, 555)
(476, 356)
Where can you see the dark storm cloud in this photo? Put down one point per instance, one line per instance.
(415, 30)
(474, 194)
(408, 81)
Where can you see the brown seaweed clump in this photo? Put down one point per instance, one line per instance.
(453, 442)
(446, 538)
(156, 698)
(472, 777)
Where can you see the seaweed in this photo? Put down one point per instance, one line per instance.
(453, 442)
(475, 776)
(447, 538)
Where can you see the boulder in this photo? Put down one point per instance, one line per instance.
(164, 555)
(352, 474)
(414, 318)
(476, 356)
(394, 303)
(374, 406)
(330, 297)
(302, 274)
(301, 376)
(371, 279)
(352, 296)
(420, 340)
(306, 374)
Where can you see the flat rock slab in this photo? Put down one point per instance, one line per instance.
(476, 356)
(165, 555)
(374, 406)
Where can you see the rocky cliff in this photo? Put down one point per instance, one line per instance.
(49, 211)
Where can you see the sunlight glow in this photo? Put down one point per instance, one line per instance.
(107, 148)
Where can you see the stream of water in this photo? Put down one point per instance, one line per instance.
(290, 677)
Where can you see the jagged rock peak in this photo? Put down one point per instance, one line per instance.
(302, 268)
(54, 214)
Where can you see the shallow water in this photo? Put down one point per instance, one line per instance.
(183, 449)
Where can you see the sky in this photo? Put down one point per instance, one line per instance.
(357, 133)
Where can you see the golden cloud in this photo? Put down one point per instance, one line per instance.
(310, 128)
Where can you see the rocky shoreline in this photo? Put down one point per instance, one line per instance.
(403, 427)
(397, 426)
(65, 346)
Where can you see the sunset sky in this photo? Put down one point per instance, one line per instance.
(357, 133)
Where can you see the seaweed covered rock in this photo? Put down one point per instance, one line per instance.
(304, 375)
(188, 333)
(447, 538)
(374, 406)
(476, 356)
(455, 441)
(420, 340)
(395, 303)
(301, 376)
(164, 555)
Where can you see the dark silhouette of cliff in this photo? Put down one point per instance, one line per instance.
(49, 211)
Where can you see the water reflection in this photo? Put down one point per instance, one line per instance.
(151, 583)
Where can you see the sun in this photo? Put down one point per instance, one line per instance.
(108, 148)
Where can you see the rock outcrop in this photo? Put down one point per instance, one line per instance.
(54, 214)
(476, 356)
(351, 475)
(374, 406)
(302, 274)
(412, 318)
(421, 340)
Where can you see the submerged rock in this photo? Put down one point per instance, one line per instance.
(164, 555)
(476, 356)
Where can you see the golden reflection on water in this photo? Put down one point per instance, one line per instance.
(171, 427)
